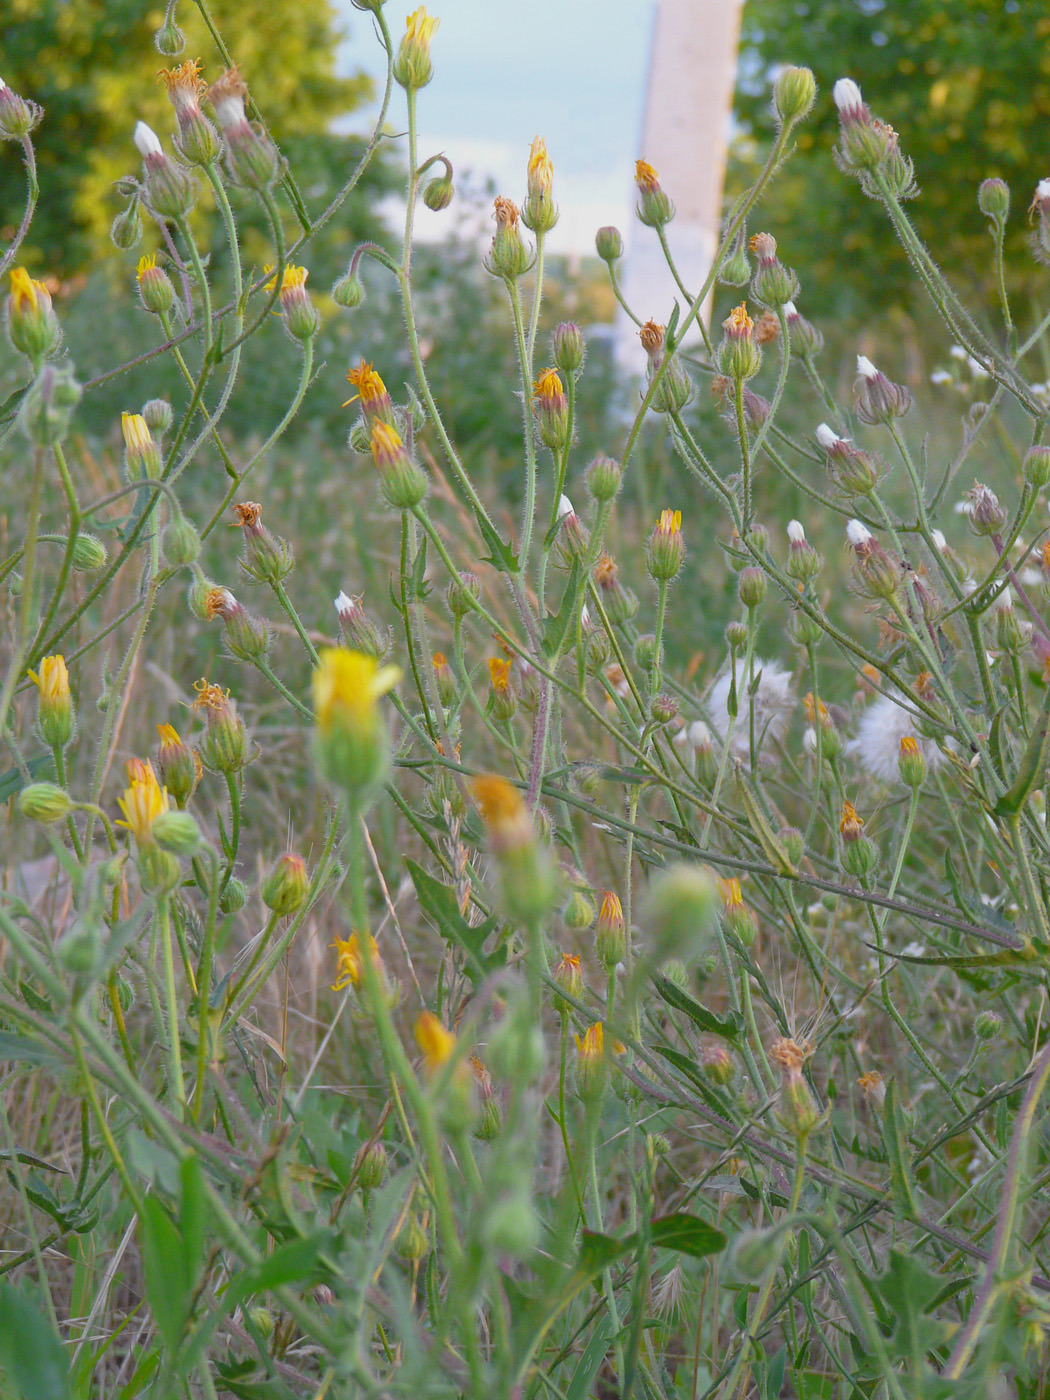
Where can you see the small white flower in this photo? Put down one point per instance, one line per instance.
(857, 534)
(773, 701)
(846, 94)
(957, 352)
(343, 603)
(826, 436)
(865, 368)
(796, 534)
(942, 376)
(146, 141)
(565, 507)
(939, 540)
(1042, 190)
(878, 743)
(790, 309)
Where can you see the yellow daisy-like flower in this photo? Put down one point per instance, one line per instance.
(436, 1041)
(499, 675)
(346, 686)
(547, 390)
(645, 177)
(26, 293)
(420, 27)
(350, 968)
(143, 801)
(291, 277)
(541, 168)
(370, 388)
(52, 680)
(146, 266)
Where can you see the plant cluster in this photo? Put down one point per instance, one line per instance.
(685, 1033)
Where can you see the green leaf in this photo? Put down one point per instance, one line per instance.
(898, 1155)
(598, 1251)
(587, 1366)
(439, 902)
(293, 1262)
(687, 1234)
(500, 555)
(162, 1260)
(556, 626)
(1032, 767)
(20, 1047)
(41, 765)
(420, 588)
(32, 1355)
(728, 1028)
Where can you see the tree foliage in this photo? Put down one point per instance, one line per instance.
(967, 86)
(63, 57)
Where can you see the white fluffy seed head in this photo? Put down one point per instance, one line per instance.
(1005, 601)
(796, 534)
(939, 540)
(826, 437)
(1042, 190)
(343, 603)
(790, 309)
(565, 507)
(146, 140)
(846, 94)
(941, 376)
(699, 735)
(865, 368)
(857, 534)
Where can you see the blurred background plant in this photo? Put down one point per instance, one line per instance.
(606, 951)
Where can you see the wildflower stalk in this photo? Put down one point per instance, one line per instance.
(525, 370)
(71, 542)
(290, 611)
(205, 966)
(570, 1164)
(25, 608)
(1017, 1162)
(202, 283)
(177, 1084)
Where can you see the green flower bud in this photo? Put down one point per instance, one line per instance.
(126, 229)
(608, 243)
(1036, 466)
(993, 199)
(678, 911)
(610, 931)
(89, 553)
(284, 889)
(794, 92)
(44, 802)
(718, 1064)
(568, 347)
(987, 1025)
(177, 832)
(156, 290)
(735, 270)
(604, 477)
(437, 195)
(349, 291)
(234, 896)
(370, 1165)
(569, 977)
(752, 586)
(169, 39)
(665, 549)
(182, 546)
(18, 116)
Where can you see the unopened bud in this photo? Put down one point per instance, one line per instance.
(610, 931)
(18, 116)
(177, 832)
(1036, 467)
(349, 291)
(608, 244)
(437, 195)
(752, 586)
(181, 542)
(44, 802)
(665, 550)
(569, 977)
(370, 1165)
(48, 405)
(603, 478)
(794, 92)
(987, 1025)
(739, 358)
(993, 199)
(655, 208)
(284, 889)
(568, 348)
(126, 229)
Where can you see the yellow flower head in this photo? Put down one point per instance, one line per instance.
(138, 440)
(146, 265)
(436, 1041)
(346, 686)
(420, 27)
(499, 675)
(591, 1045)
(52, 681)
(169, 737)
(291, 277)
(184, 85)
(548, 391)
(26, 294)
(646, 178)
(541, 169)
(370, 389)
(143, 801)
(813, 708)
(499, 803)
(909, 746)
(350, 969)
(790, 1055)
(387, 447)
(729, 889)
(738, 322)
(611, 912)
(211, 699)
(670, 522)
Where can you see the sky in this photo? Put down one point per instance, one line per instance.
(572, 71)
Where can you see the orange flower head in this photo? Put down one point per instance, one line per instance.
(499, 675)
(349, 968)
(646, 178)
(143, 801)
(436, 1041)
(851, 824)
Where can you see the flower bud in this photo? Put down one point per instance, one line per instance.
(141, 454)
(247, 636)
(752, 586)
(591, 1069)
(736, 635)
(234, 896)
(1036, 467)
(717, 1064)
(351, 735)
(126, 229)
(877, 573)
(437, 193)
(44, 802)
(803, 563)
(181, 542)
(197, 140)
(169, 190)
(806, 340)
(178, 767)
(655, 208)
(169, 39)
(678, 911)
(412, 67)
(155, 287)
(539, 211)
(608, 244)
(569, 978)
(665, 549)
(773, 284)
(267, 558)
(411, 1243)
(444, 680)
(18, 116)
(604, 477)
(610, 932)
(361, 633)
(461, 593)
(911, 763)
(370, 1165)
(32, 326)
(528, 879)
(157, 415)
(987, 1025)
(675, 388)
(993, 200)
(403, 481)
(508, 257)
(55, 717)
(89, 553)
(737, 917)
(735, 270)
(551, 409)
(502, 700)
(855, 472)
(177, 832)
(987, 516)
(878, 400)
(794, 92)
(805, 631)
(349, 291)
(48, 405)
(739, 358)
(792, 841)
(619, 602)
(284, 889)
(224, 747)
(251, 157)
(579, 912)
(490, 1118)
(568, 348)
(798, 1109)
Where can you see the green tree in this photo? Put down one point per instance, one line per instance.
(63, 56)
(967, 86)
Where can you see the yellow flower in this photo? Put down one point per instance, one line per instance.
(851, 825)
(541, 169)
(138, 440)
(26, 294)
(350, 968)
(738, 322)
(645, 177)
(420, 27)
(291, 277)
(436, 1041)
(499, 675)
(729, 889)
(547, 390)
(146, 265)
(412, 66)
(52, 680)
(814, 707)
(670, 522)
(591, 1046)
(143, 801)
(500, 804)
(370, 389)
(346, 686)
